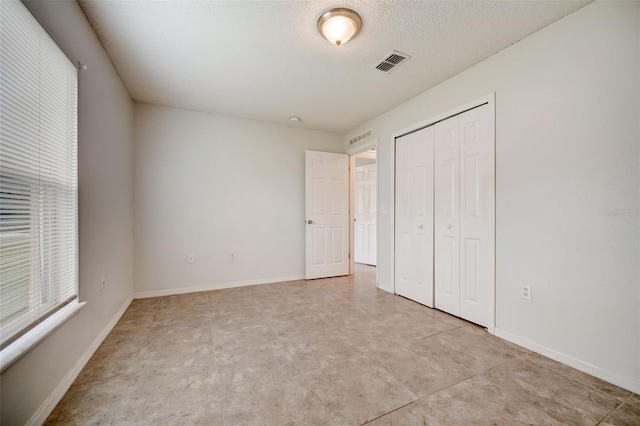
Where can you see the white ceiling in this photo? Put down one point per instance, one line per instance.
(264, 60)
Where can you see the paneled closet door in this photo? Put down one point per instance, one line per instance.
(477, 217)
(414, 216)
(447, 216)
(464, 216)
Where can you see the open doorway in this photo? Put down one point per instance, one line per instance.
(364, 197)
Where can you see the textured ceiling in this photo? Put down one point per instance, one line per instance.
(264, 60)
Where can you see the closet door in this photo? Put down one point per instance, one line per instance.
(414, 216)
(477, 217)
(464, 216)
(447, 216)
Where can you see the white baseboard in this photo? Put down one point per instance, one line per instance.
(624, 382)
(216, 286)
(40, 416)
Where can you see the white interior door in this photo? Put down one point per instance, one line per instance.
(414, 216)
(477, 217)
(327, 214)
(365, 214)
(447, 216)
(465, 216)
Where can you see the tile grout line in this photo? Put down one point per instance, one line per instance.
(283, 346)
(335, 364)
(444, 388)
(255, 344)
(612, 411)
(392, 411)
(574, 380)
(548, 370)
(441, 332)
(215, 360)
(304, 373)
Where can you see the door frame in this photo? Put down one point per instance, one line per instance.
(490, 100)
(351, 152)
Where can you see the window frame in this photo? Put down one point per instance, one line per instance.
(53, 305)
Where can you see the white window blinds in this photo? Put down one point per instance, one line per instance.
(38, 174)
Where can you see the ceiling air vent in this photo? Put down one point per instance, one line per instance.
(392, 60)
(360, 137)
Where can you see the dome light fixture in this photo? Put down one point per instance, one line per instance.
(339, 25)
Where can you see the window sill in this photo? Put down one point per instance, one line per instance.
(21, 346)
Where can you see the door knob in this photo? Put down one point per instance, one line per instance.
(309, 221)
(448, 226)
(420, 227)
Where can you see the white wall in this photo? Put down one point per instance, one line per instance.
(105, 177)
(567, 151)
(212, 186)
(362, 161)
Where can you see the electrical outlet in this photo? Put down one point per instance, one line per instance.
(102, 284)
(233, 257)
(191, 258)
(526, 292)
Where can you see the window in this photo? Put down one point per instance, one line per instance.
(38, 175)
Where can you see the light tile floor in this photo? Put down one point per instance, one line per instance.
(333, 351)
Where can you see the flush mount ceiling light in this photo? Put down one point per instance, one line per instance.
(339, 25)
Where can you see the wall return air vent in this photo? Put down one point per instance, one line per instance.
(360, 137)
(391, 61)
